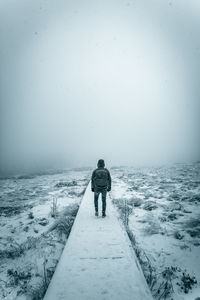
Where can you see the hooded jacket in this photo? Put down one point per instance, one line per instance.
(101, 179)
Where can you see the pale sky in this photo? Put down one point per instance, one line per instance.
(113, 79)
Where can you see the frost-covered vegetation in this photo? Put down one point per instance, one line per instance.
(37, 214)
(160, 208)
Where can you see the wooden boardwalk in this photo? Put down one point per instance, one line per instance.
(98, 262)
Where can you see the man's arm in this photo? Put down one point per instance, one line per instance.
(109, 181)
(92, 181)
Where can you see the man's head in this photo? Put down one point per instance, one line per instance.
(101, 163)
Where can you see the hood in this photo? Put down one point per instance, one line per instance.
(100, 163)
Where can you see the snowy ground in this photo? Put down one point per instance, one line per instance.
(31, 241)
(164, 207)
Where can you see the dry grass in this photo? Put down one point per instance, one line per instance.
(192, 226)
(63, 225)
(124, 208)
(37, 291)
(70, 210)
(135, 202)
(16, 250)
(152, 226)
(10, 211)
(64, 222)
(66, 184)
(159, 284)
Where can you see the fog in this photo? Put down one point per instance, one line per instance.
(113, 79)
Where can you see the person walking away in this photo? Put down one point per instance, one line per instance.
(100, 184)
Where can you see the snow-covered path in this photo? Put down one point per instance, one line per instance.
(98, 261)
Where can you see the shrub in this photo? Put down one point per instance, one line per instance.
(63, 184)
(187, 282)
(136, 202)
(124, 208)
(15, 250)
(64, 223)
(16, 276)
(30, 215)
(37, 291)
(178, 235)
(70, 210)
(153, 226)
(150, 205)
(193, 226)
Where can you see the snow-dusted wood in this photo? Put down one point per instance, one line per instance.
(98, 261)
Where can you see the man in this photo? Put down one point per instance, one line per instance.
(100, 184)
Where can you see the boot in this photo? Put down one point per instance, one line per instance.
(96, 213)
(103, 214)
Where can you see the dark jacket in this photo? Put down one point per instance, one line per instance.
(101, 175)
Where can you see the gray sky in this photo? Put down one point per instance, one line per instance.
(113, 79)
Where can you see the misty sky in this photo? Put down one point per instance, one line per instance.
(112, 79)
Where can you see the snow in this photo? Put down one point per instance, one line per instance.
(98, 261)
(173, 189)
(33, 195)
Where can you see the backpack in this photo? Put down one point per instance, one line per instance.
(101, 178)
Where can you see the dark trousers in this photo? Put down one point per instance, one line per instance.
(96, 196)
